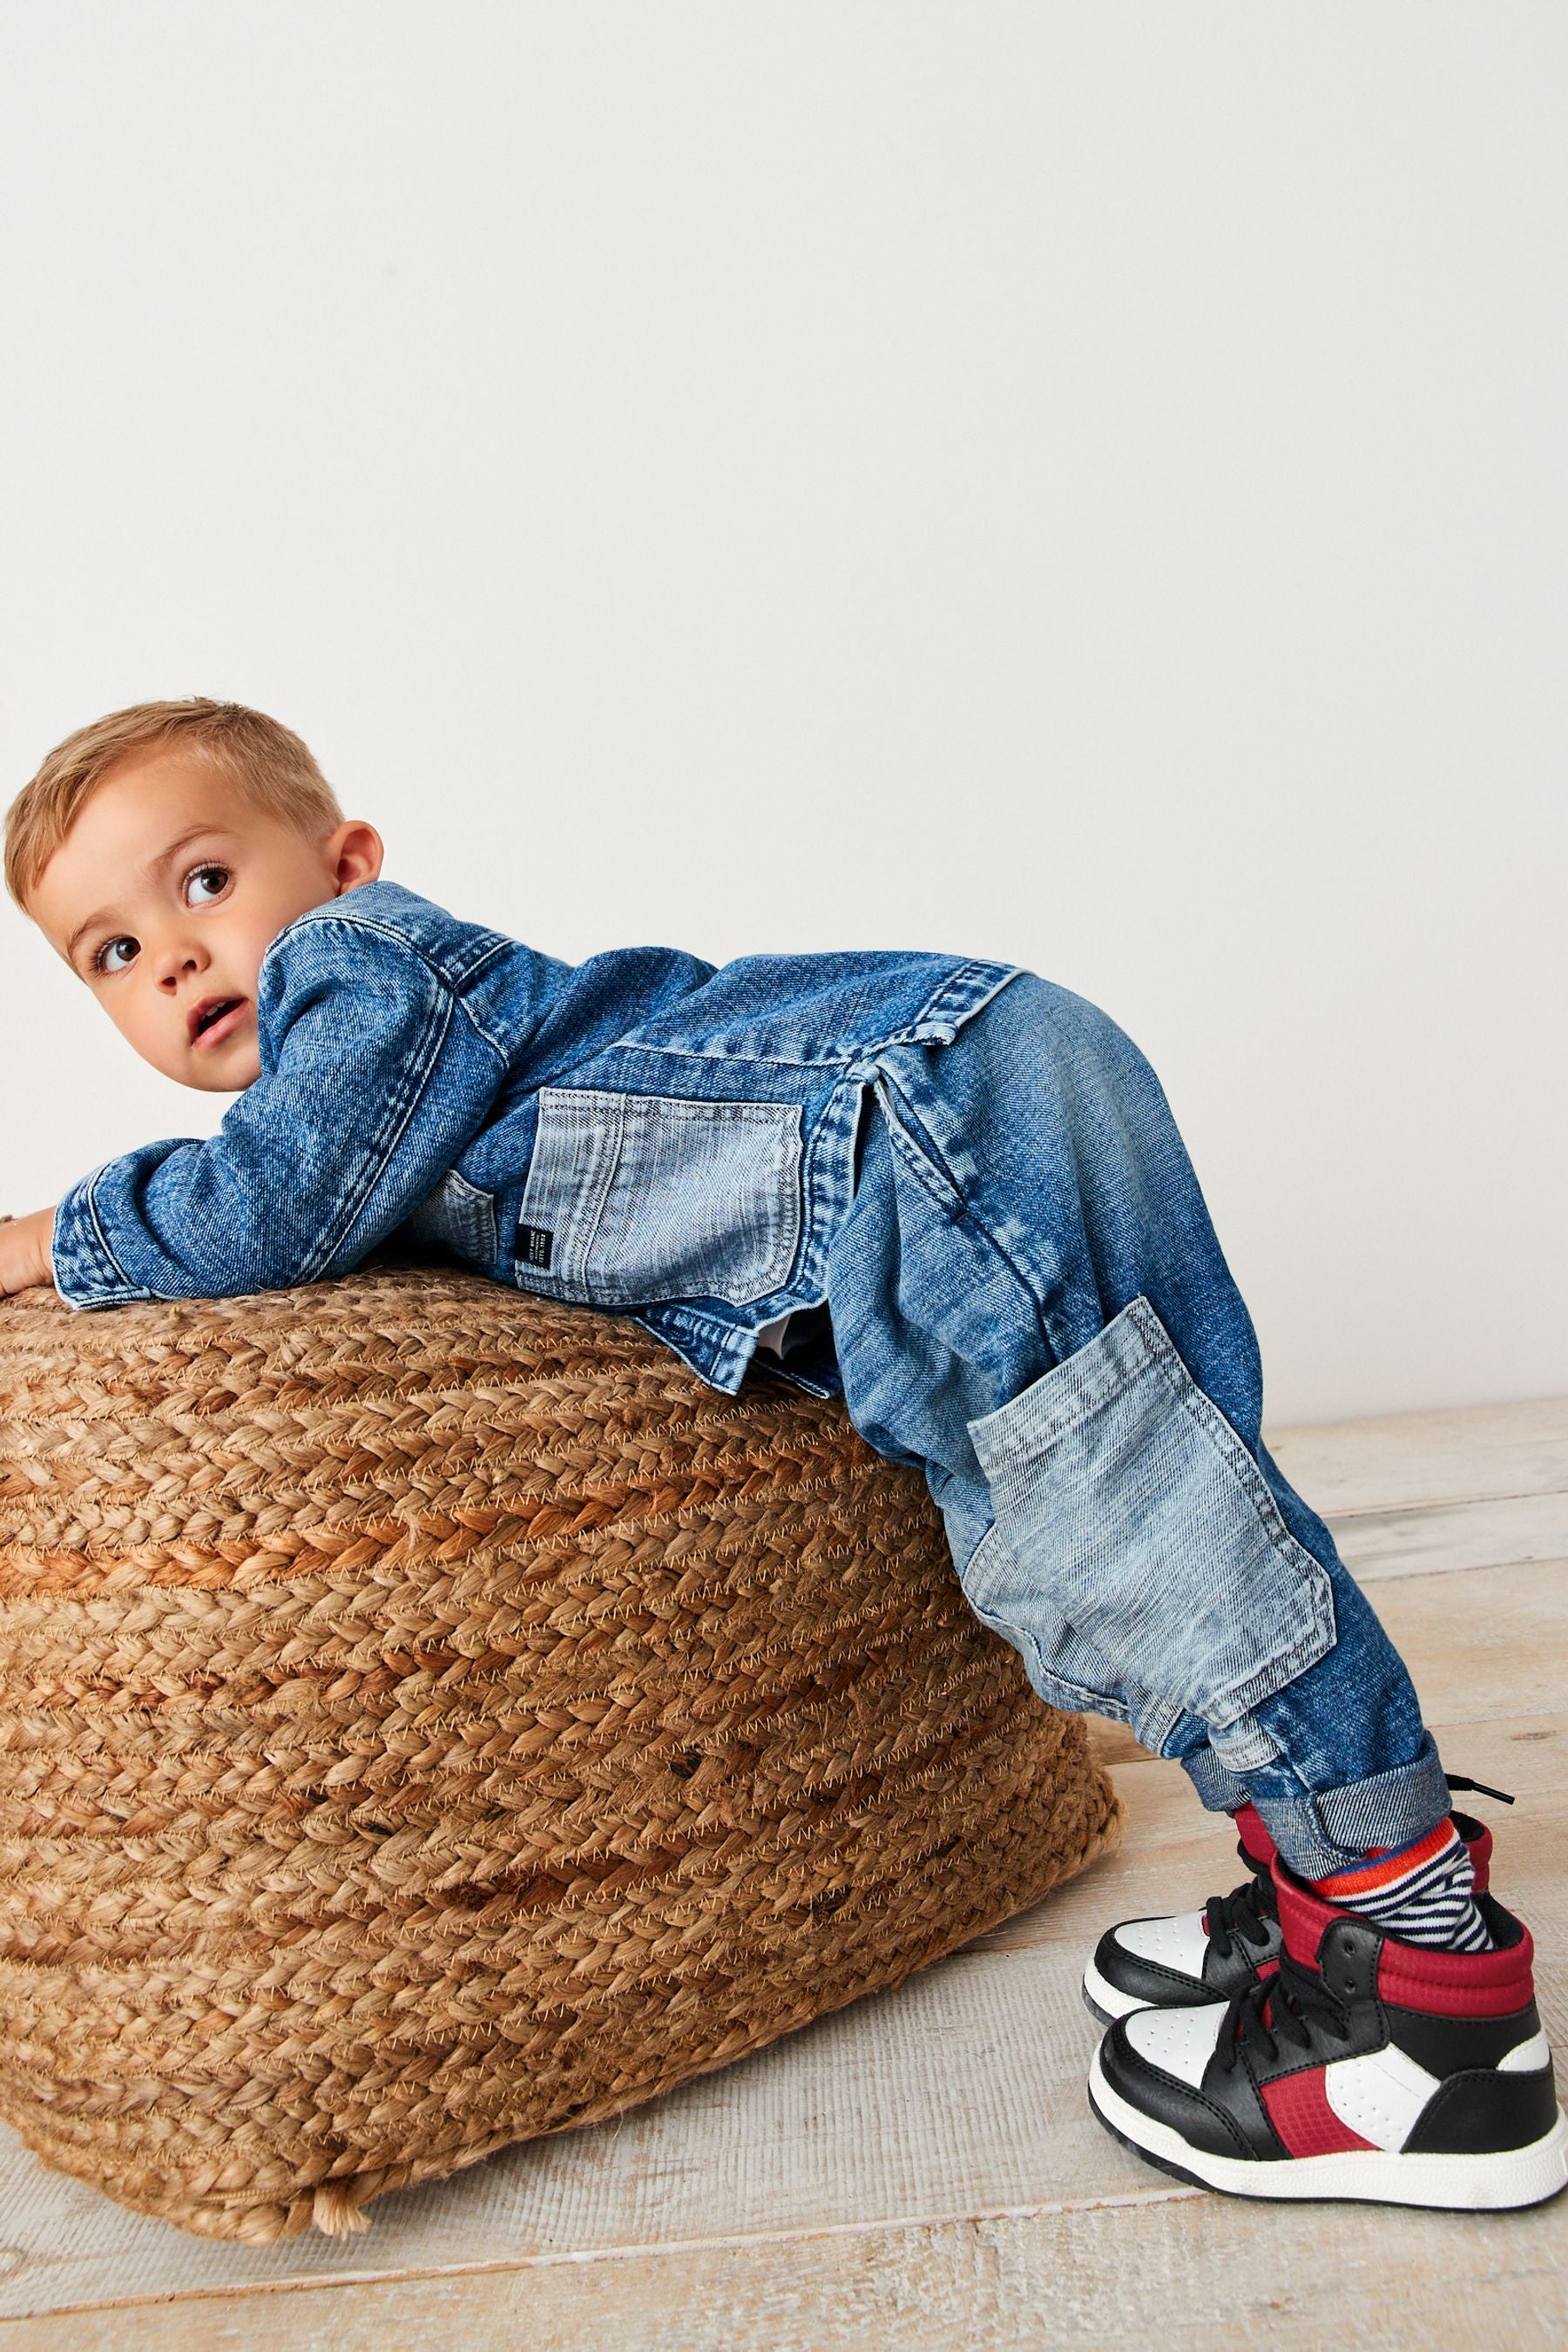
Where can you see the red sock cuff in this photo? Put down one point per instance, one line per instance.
(1382, 1868)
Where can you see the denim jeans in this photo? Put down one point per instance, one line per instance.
(1028, 1300)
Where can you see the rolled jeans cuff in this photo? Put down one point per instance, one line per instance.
(1325, 1831)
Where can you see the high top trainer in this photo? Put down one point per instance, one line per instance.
(1363, 2067)
(1231, 1943)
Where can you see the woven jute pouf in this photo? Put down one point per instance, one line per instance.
(430, 1717)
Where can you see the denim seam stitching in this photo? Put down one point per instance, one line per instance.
(929, 1149)
(704, 1325)
(1103, 1389)
(1272, 1676)
(955, 1202)
(726, 1352)
(109, 1259)
(823, 1200)
(347, 922)
(466, 972)
(974, 1553)
(400, 1110)
(1098, 1701)
(723, 1053)
(1311, 1575)
(354, 923)
(610, 1165)
(678, 1106)
(1224, 1444)
(490, 1044)
(961, 985)
(949, 1202)
(558, 1104)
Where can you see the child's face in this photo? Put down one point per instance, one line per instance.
(167, 893)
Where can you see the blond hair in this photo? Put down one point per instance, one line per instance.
(269, 762)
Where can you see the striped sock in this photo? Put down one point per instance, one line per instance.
(1423, 1893)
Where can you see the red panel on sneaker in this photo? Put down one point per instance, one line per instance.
(1300, 2112)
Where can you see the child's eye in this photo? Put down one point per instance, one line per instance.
(107, 958)
(207, 883)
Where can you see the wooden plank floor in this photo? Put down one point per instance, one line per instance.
(921, 2170)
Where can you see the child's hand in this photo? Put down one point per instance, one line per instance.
(25, 1251)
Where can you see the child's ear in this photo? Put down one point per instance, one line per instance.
(354, 854)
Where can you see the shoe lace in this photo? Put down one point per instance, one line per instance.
(1458, 1781)
(1293, 2006)
(1240, 1914)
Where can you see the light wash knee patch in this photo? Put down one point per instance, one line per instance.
(1126, 1499)
(1066, 1671)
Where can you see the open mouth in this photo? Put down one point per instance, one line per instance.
(216, 1018)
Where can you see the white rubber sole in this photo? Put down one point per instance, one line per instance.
(1470, 2184)
(1108, 2003)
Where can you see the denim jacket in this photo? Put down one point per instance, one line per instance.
(643, 1131)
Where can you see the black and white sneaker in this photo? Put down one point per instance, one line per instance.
(1361, 2067)
(1230, 1944)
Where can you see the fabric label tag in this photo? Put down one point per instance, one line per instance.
(535, 1244)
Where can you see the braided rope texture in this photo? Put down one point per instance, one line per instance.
(431, 1717)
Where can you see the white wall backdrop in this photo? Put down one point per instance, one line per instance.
(1077, 485)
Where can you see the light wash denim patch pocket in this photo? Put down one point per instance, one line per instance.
(633, 1198)
(1122, 1489)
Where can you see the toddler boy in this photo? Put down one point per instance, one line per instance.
(943, 1186)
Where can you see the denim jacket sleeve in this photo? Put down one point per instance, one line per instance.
(373, 1078)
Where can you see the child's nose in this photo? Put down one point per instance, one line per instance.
(175, 960)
